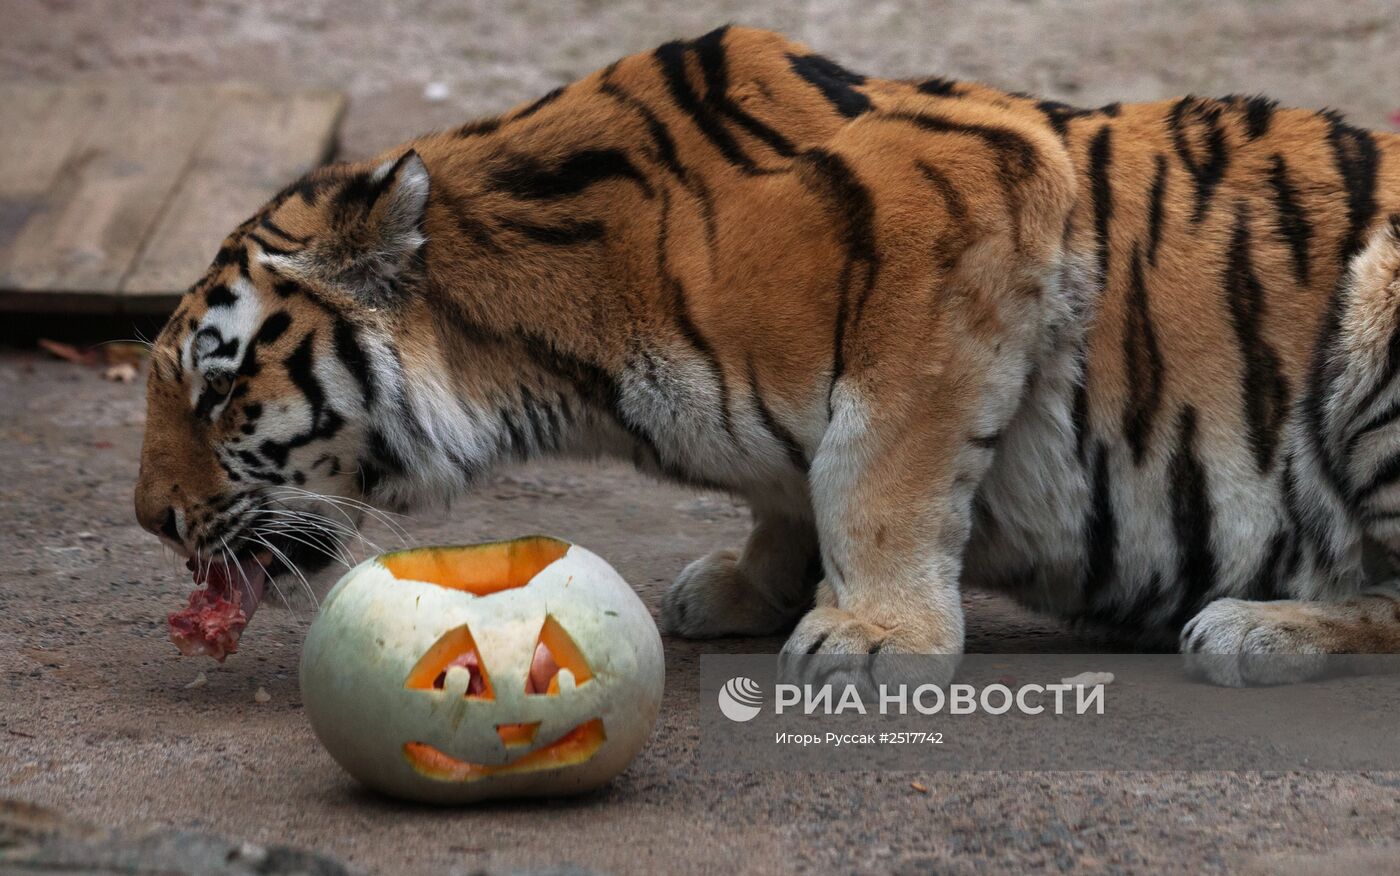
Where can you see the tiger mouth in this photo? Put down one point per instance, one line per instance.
(229, 589)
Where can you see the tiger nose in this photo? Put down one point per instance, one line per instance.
(159, 518)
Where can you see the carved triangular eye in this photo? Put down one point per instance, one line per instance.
(555, 650)
(456, 648)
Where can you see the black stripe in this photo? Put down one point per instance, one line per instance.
(665, 149)
(266, 222)
(1195, 127)
(709, 50)
(1323, 373)
(538, 105)
(1265, 391)
(1192, 522)
(386, 457)
(1079, 406)
(1017, 157)
(1258, 113)
(681, 312)
(849, 202)
(697, 340)
(541, 423)
(471, 225)
(479, 128)
(223, 349)
(1100, 533)
(1059, 115)
(354, 358)
(1293, 225)
(837, 84)
(1382, 419)
(529, 179)
(219, 295)
(565, 234)
(1143, 361)
(779, 432)
(662, 141)
(271, 329)
(940, 87)
(1358, 162)
(1385, 476)
(517, 437)
(1293, 507)
(1155, 201)
(986, 442)
(949, 248)
(325, 422)
(1267, 582)
(1100, 162)
(671, 57)
(269, 248)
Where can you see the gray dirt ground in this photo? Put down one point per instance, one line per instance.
(95, 719)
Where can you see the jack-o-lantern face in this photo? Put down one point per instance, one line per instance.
(453, 674)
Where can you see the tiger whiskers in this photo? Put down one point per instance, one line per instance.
(256, 536)
(233, 560)
(343, 502)
(325, 530)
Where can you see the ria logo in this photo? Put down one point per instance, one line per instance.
(740, 699)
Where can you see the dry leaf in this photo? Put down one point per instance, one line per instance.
(262, 696)
(922, 789)
(200, 680)
(68, 352)
(123, 373)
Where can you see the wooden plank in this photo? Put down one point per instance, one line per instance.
(40, 124)
(128, 147)
(114, 197)
(257, 143)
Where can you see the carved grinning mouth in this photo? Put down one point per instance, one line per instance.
(576, 746)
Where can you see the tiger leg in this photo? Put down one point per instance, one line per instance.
(893, 502)
(1238, 643)
(757, 591)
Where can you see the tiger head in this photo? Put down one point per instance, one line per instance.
(273, 387)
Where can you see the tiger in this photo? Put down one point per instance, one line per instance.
(1134, 365)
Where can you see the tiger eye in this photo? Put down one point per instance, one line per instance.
(220, 382)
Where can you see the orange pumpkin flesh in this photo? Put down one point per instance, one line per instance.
(481, 569)
(560, 646)
(430, 671)
(576, 746)
(515, 735)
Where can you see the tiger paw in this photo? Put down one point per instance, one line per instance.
(876, 653)
(1239, 643)
(713, 597)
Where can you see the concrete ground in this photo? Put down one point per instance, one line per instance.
(97, 721)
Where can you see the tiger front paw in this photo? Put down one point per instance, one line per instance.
(713, 597)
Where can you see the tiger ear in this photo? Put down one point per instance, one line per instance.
(374, 253)
(399, 202)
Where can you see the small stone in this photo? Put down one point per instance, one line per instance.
(1088, 679)
(436, 92)
(262, 696)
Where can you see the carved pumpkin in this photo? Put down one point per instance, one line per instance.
(452, 674)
